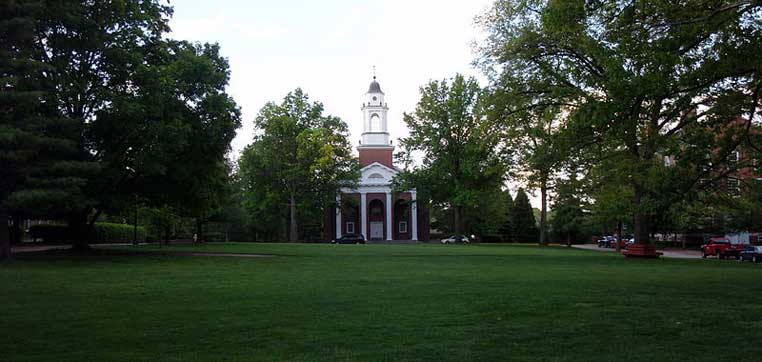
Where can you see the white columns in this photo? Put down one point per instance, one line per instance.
(364, 215)
(338, 216)
(389, 230)
(414, 216)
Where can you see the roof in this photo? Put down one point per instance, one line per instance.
(374, 87)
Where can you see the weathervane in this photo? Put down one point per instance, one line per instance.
(374, 72)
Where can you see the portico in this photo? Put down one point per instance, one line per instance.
(377, 213)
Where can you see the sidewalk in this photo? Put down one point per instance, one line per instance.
(16, 249)
(668, 253)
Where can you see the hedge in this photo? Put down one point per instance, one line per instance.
(106, 232)
(103, 232)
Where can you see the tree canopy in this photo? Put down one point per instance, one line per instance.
(148, 116)
(299, 160)
(462, 150)
(637, 81)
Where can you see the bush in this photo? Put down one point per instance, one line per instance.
(106, 232)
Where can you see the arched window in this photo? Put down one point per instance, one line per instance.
(375, 123)
(376, 209)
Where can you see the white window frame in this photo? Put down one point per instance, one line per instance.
(734, 187)
(400, 227)
(350, 227)
(737, 157)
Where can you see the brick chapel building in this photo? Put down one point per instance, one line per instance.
(373, 209)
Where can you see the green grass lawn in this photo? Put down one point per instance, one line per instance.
(378, 303)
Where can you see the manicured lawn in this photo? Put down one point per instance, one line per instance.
(378, 303)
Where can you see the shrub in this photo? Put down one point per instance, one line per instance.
(106, 232)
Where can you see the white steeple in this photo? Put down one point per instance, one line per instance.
(374, 116)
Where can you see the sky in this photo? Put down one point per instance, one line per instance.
(329, 48)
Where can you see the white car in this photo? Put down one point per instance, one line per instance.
(456, 239)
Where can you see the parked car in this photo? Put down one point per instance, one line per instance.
(456, 239)
(751, 253)
(606, 241)
(350, 239)
(721, 248)
(622, 243)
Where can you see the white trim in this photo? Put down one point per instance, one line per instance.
(379, 164)
(400, 229)
(388, 216)
(338, 216)
(364, 214)
(414, 214)
(369, 189)
(352, 224)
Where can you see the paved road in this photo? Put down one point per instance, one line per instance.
(668, 253)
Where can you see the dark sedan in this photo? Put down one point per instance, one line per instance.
(350, 239)
(751, 253)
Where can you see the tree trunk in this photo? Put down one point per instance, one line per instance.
(641, 221)
(543, 211)
(292, 222)
(5, 237)
(17, 231)
(458, 220)
(80, 232)
(135, 228)
(619, 236)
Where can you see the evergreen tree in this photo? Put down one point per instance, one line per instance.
(523, 225)
(506, 231)
(36, 145)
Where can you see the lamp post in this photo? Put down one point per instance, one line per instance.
(135, 205)
(135, 224)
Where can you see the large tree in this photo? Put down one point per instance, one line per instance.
(297, 164)
(38, 170)
(532, 132)
(639, 81)
(461, 149)
(152, 113)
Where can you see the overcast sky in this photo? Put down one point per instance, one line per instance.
(329, 48)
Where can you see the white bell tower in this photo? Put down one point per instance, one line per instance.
(375, 131)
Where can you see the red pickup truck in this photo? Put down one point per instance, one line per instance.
(722, 248)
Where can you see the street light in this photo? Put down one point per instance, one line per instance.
(135, 220)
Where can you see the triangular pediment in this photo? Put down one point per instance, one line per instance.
(377, 173)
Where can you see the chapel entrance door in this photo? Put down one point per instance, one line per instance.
(377, 230)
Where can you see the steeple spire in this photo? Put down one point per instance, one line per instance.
(375, 132)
